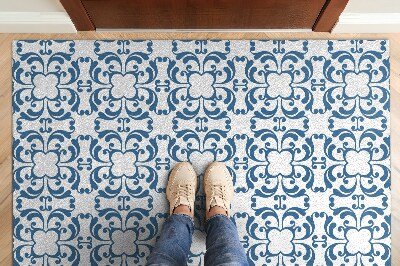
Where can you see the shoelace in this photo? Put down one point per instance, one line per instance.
(183, 191)
(218, 191)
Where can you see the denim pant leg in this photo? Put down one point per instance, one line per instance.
(173, 246)
(223, 244)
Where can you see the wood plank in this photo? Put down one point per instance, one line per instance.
(78, 15)
(329, 15)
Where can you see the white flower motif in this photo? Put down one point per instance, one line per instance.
(279, 85)
(280, 163)
(45, 242)
(123, 164)
(358, 241)
(123, 86)
(280, 241)
(45, 86)
(45, 164)
(201, 160)
(123, 242)
(357, 84)
(200, 246)
(357, 162)
(201, 85)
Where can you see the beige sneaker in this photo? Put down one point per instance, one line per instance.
(218, 186)
(181, 188)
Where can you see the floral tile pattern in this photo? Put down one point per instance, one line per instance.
(303, 127)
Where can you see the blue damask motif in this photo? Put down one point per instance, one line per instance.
(303, 127)
(278, 240)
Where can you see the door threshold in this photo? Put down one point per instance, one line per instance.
(204, 30)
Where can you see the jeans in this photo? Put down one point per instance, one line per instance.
(222, 242)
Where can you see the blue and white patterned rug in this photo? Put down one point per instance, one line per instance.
(302, 125)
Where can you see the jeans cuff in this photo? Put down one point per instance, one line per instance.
(186, 217)
(217, 215)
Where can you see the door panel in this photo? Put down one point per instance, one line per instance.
(203, 14)
(319, 15)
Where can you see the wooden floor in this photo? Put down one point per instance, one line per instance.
(5, 112)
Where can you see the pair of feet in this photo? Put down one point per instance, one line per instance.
(182, 186)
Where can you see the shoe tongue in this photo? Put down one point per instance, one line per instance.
(183, 201)
(217, 201)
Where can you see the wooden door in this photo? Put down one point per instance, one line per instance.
(319, 15)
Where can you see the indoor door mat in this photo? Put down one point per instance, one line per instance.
(303, 127)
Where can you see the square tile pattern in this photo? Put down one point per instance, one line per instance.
(303, 127)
